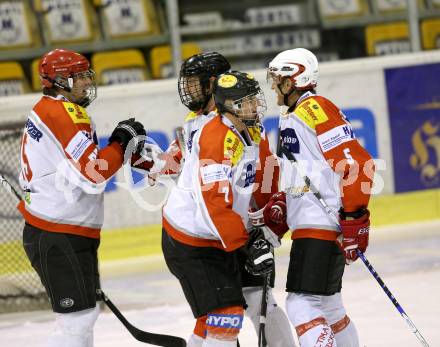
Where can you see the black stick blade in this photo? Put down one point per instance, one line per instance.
(140, 335)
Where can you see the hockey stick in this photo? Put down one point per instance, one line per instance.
(180, 140)
(140, 335)
(9, 188)
(262, 342)
(283, 150)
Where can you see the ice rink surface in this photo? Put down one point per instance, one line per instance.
(406, 257)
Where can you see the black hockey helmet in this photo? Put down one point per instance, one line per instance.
(194, 77)
(240, 94)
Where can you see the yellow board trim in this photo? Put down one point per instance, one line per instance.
(385, 210)
(130, 242)
(405, 207)
(77, 113)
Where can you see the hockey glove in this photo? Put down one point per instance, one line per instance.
(275, 214)
(256, 219)
(355, 227)
(150, 159)
(129, 130)
(260, 259)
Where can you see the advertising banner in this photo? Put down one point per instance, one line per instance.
(414, 111)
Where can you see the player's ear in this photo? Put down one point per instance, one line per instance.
(286, 85)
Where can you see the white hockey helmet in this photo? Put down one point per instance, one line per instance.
(299, 64)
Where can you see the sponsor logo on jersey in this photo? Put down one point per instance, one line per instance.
(233, 147)
(67, 302)
(27, 197)
(311, 113)
(255, 133)
(289, 140)
(33, 131)
(190, 140)
(335, 137)
(77, 113)
(297, 192)
(215, 173)
(78, 145)
(225, 320)
(249, 175)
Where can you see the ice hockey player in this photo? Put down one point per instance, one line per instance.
(316, 133)
(63, 174)
(205, 217)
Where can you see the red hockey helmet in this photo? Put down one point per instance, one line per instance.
(63, 63)
(59, 68)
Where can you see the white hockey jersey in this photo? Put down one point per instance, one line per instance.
(209, 206)
(63, 172)
(321, 139)
(174, 155)
(193, 122)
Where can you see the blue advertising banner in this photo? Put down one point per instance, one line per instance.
(414, 112)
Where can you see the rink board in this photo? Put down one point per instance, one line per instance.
(385, 210)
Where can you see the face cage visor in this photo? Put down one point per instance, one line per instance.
(250, 109)
(273, 77)
(81, 87)
(193, 92)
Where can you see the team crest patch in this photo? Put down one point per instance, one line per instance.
(77, 113)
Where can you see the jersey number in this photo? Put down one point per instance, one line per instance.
(26, 169)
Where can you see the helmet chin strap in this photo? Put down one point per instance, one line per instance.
(59, 85)
(286, 95)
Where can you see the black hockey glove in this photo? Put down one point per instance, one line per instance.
(126, 131)
(259, 252)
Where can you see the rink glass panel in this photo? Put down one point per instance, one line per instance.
(20, 287)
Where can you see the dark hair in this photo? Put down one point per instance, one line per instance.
(52, 91)
(203, 66)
